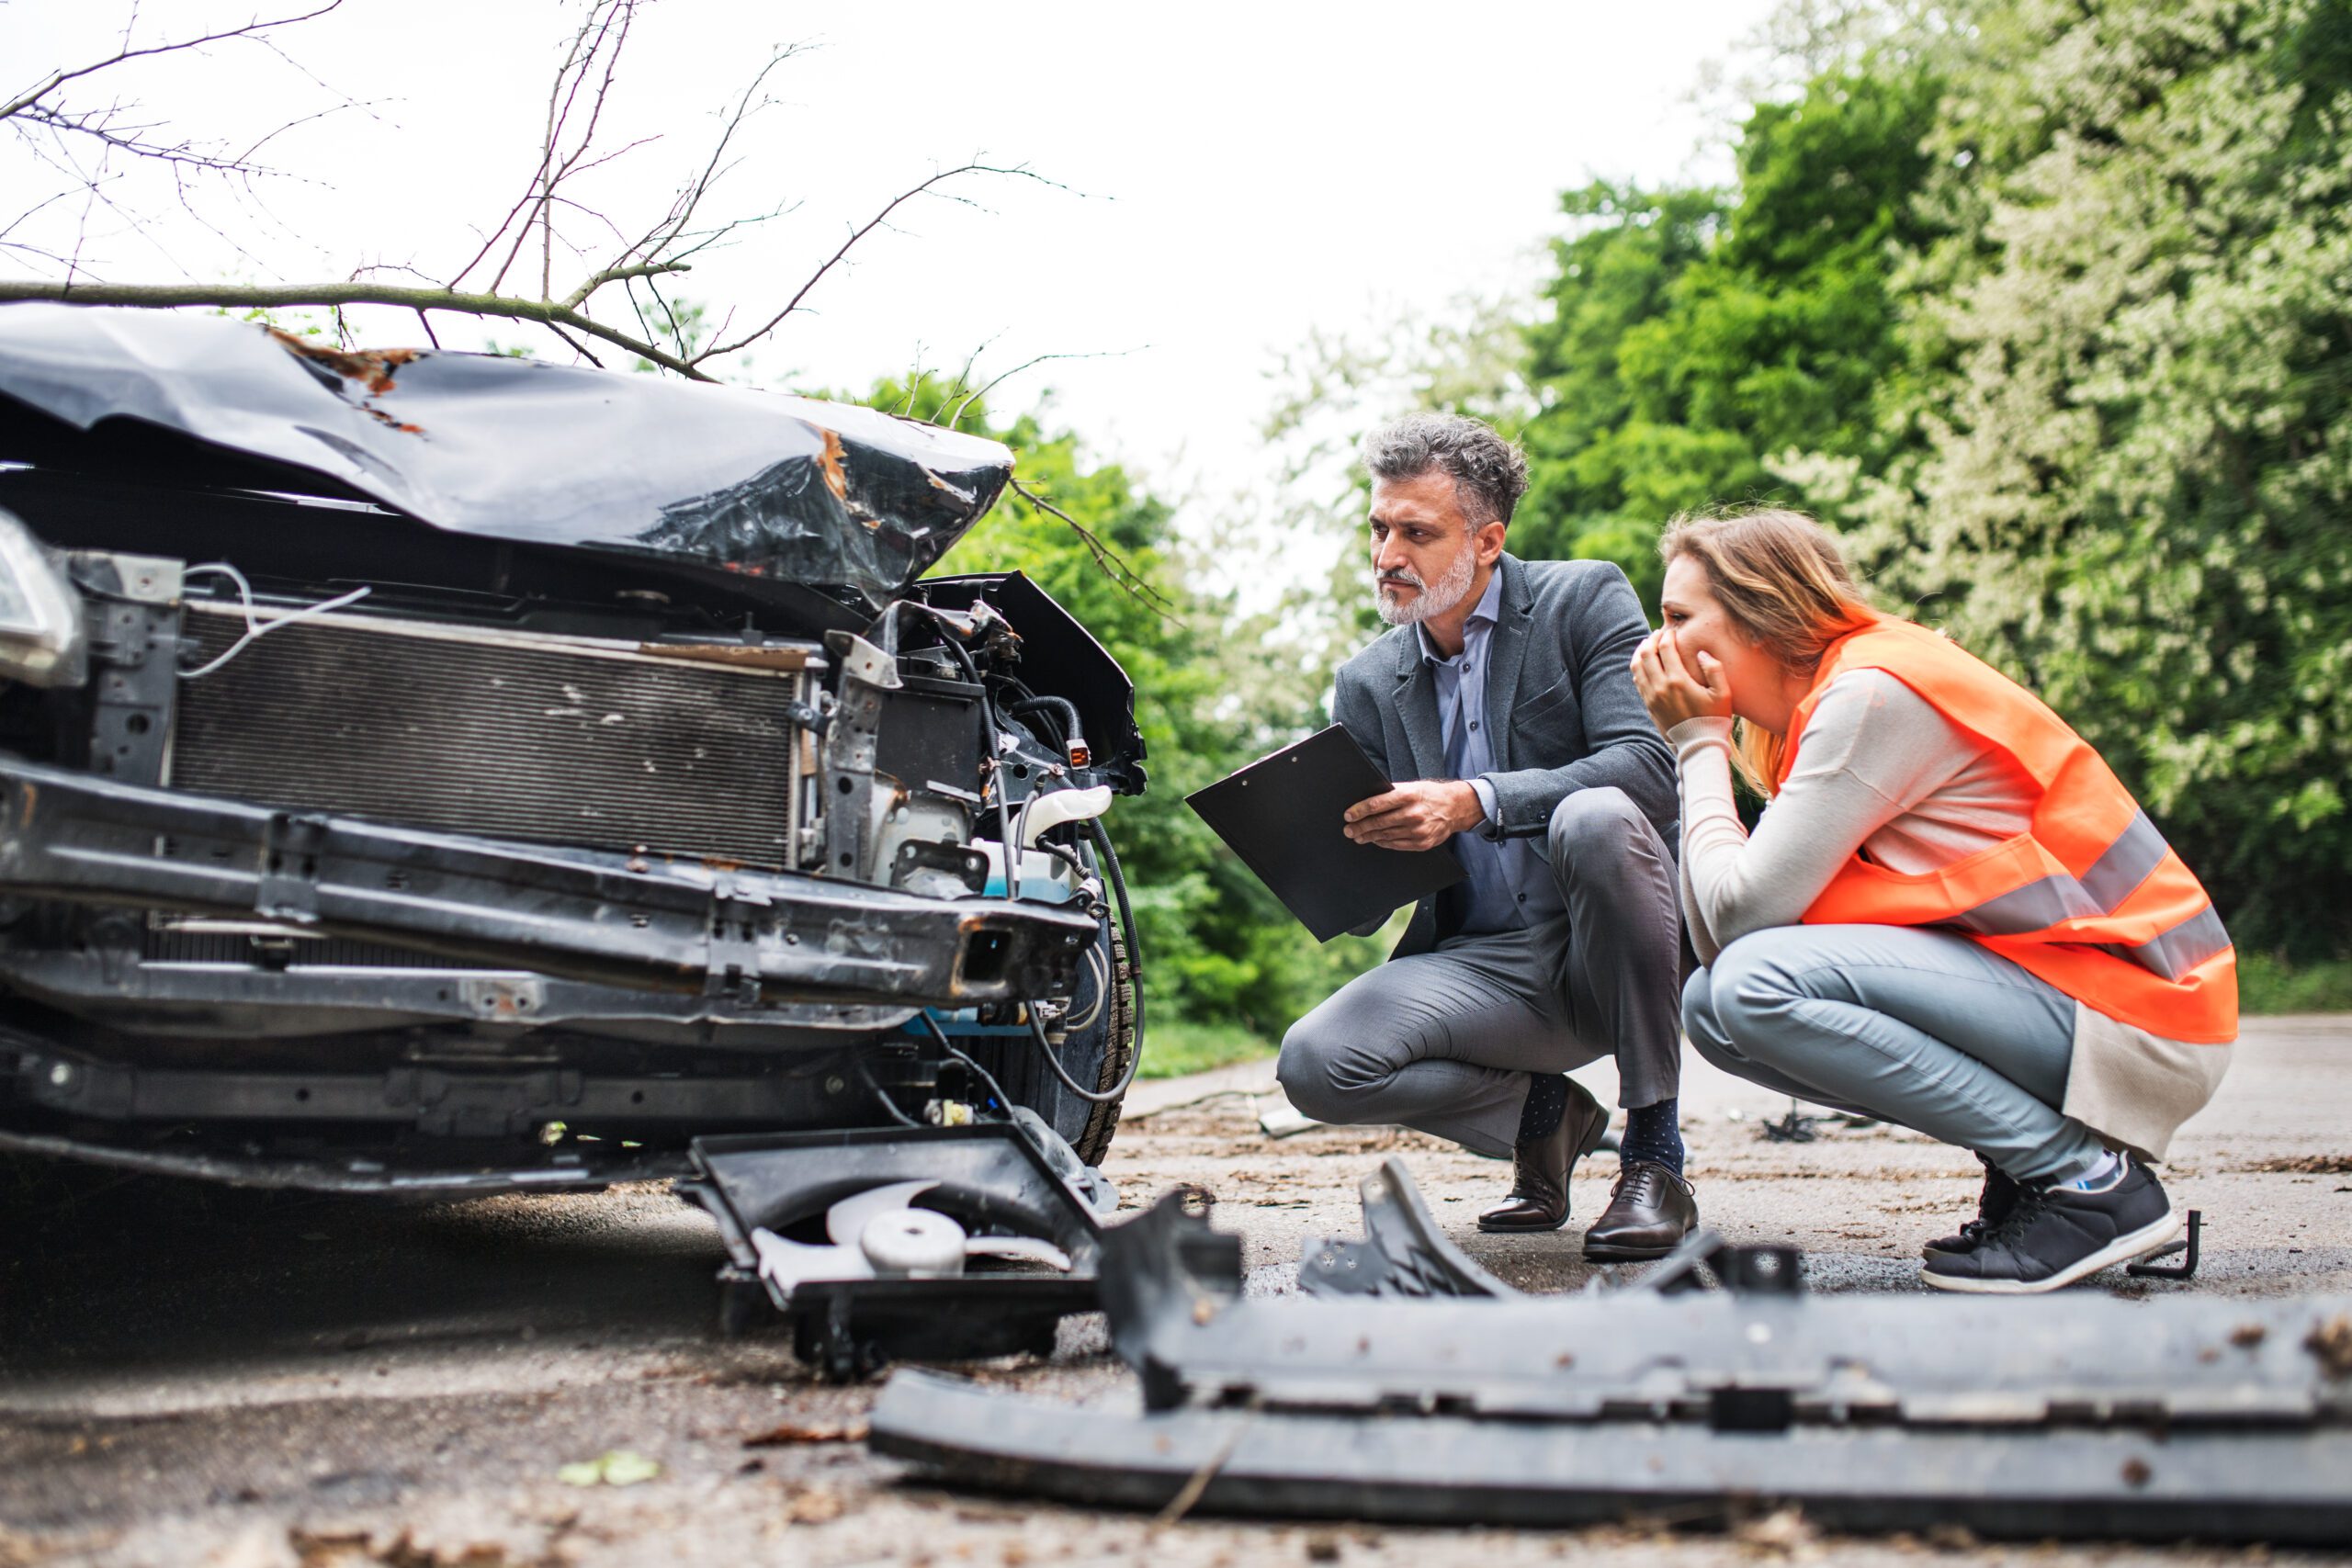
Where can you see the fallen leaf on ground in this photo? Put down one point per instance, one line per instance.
(1782, 1533)
(815, 1506)
(614, 1467)
(787, 1432)
(2332, 1343)
(258, 1546)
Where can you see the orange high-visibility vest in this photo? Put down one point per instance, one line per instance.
(2092, 899)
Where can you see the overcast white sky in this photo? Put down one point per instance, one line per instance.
(1248, 171)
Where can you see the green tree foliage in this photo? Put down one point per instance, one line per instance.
(2049, 304)
(2137, 390)
(1695, 336)
(1219, 948)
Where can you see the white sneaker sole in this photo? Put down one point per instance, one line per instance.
(2151, 1237)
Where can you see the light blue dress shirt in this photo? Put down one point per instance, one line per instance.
(1509, 884)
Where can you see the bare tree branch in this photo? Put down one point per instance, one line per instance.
(749, 102)
(337, 295)
(579, 297)
(578, 349)
(1118, 571)
(579, 95)
(42, 108)
(871, 224)
(595, 28)
(56, 79)
(969, 397)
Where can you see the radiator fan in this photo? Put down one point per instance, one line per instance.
(880, 1234)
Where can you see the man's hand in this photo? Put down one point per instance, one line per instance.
(1673, 691)
(1418, 815)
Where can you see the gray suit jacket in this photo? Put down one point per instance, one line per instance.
(1562, 714)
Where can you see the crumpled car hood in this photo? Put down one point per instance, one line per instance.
(514, 449)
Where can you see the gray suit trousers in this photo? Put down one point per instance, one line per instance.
(1443, 1041)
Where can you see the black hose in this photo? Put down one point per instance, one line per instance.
(1069, 711)
(1071, 735)
(1134, 974)
(889, 1104)
(1003, 1100)
(995, 728)
(1065, 854)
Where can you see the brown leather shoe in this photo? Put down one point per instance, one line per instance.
(1540, 1168)
(1650, 1211)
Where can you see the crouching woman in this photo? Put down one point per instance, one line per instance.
(1950, 915)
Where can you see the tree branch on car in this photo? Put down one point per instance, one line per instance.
(55, 124)
(577, 104)
(549, 222)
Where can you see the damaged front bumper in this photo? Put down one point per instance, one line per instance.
(1413, 1387)
(635, 921)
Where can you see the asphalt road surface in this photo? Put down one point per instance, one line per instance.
(193, 1375)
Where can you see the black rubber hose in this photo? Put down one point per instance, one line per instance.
(995, 728)
(1135, 976)
(889, 1104)
(1004, 1101)
(1071, 735)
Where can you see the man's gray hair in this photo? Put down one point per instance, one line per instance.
(1490, 473)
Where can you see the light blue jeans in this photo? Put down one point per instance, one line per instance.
(1921, 1027)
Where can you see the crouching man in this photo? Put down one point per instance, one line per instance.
(1503, 699)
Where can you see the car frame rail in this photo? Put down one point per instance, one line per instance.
(648, 922)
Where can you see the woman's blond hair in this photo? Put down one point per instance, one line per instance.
(1782, 583)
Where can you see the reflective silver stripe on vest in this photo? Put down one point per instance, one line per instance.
(2125, 864)
(2174, 953)
(2032, 907)
(2118, 874)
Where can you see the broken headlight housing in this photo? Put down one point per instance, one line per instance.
(41, 637)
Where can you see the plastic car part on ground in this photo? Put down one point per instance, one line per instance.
(892, 1279)
(880, 1234)
(2077, 1414)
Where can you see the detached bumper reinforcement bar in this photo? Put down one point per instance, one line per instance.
(1414, 1388)
(644, 922)
(2275, 1486)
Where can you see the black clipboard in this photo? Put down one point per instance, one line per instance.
(1282, 816)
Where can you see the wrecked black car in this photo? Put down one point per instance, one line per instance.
(447, 772)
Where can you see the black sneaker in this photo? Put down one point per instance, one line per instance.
(2056, 1235)
(1993, 1204)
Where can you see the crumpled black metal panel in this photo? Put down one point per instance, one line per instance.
(514, 449)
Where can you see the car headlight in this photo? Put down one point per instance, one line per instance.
(41, 640)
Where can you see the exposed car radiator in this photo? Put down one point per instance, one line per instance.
(494, 733)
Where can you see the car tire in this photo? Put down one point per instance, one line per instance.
(1118, 1044)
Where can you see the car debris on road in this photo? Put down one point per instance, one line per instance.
(1407, 1384)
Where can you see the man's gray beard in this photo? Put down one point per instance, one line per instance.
(1434, 600)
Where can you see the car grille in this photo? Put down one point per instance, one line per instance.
(494, 734)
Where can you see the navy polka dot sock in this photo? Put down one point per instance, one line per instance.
(1653, 1132)
(1548, 1102)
